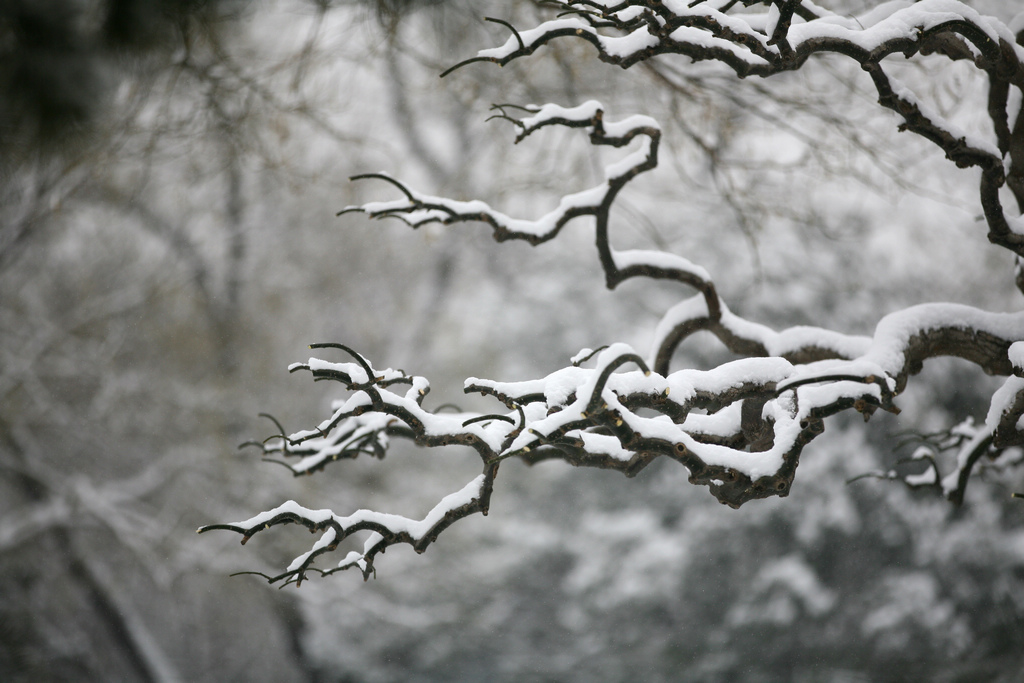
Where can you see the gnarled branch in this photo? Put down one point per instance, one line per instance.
(739, 428)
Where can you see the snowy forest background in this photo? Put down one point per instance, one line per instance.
(168, 245)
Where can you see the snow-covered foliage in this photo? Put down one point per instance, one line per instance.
(739, 428)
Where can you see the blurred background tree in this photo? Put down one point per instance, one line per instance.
(170, 173)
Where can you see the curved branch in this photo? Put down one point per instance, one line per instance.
(739, 428)
(700, 31)
(387, 529)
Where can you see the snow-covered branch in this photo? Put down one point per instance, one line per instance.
(739, 428)
(785, 34)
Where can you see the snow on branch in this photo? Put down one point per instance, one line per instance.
(787, 33)
(417, 209)
(387, 529)
(740, 428)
